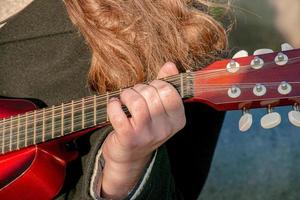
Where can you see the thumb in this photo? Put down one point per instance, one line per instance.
(167, 69)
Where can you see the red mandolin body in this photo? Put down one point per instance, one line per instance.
(35, 172)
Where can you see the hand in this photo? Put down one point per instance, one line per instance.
(157, 114)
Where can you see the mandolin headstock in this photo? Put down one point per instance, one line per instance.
(263, 81)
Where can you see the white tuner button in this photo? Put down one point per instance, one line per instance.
(233, 66)
(294, 116)
(259, 90)
(234, 92)
(245, 122)
(286, 47)
(257, 63)
(270, 120)
(281, 59)
(284, 88)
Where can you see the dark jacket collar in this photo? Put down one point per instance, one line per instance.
(42, 18)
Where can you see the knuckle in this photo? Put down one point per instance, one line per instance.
(139, 103)
(126, 93)
(157, 83)
(167, 89)
(165, 132)
(148, 92)
(138, 87)
(164, 89)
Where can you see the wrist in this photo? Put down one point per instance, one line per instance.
(118, 179)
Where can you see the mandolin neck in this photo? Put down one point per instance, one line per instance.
(37, 126)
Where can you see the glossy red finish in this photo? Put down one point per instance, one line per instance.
(35, 172)
(212, 83)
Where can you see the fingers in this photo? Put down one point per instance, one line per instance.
(137, 106)
(117, 117)
(167, 69)
(151, 96)
(171, 102)
(156, 109)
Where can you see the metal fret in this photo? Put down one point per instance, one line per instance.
(95, 110)
(22, 130)
(189, 84)
(62, 119)
(34, 127)
(43, 126)
(53, 121)
(18, 132)
(72, 116)
(82, 113)
(3, 135)
(10, 133)
(26, 127)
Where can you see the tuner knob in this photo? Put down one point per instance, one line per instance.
(294, 116)
(286, 47)
(245, 122)
(270, 120)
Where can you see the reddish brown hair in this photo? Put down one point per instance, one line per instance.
(131, 39)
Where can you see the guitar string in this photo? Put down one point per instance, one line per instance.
(207, 86)
(38, 136)
(90, 99)
(210, 87)
(91, 120)
(170, 78)
(15, 143)
(113, 94)
(69, 105)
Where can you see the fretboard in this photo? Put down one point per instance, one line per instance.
(53, 122)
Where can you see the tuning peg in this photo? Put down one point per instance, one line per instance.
(294, 116)
(240, 54)
(246, 121)
(270, 120)
(286, 47)
(262, 51)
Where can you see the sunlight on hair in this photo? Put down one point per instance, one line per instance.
(131, 40)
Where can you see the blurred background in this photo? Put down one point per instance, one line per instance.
(259, 164)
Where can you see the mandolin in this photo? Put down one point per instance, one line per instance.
(33, 152)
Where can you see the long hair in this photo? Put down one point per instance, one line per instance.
(131, 39)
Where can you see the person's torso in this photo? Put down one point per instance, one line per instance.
(42, 56)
